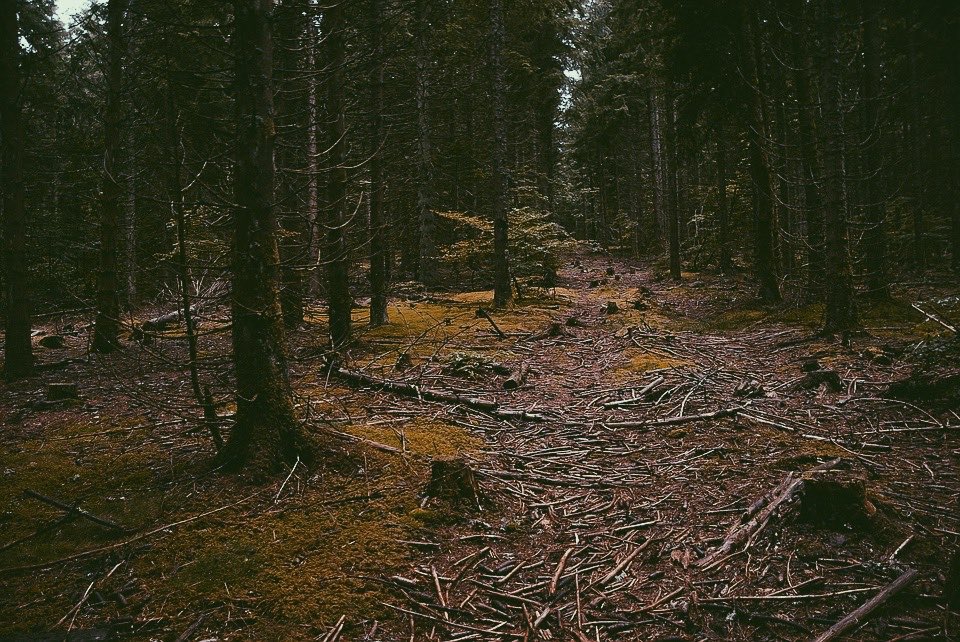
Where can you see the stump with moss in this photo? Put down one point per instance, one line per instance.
(452, 480)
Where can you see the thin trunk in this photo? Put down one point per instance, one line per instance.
(875, 237)
(378, 228)
(427, 272)
(18, 349)
(723, 205)
(202, 395)
(107, 325)
(502, 292)
(657, 160)
(809, 168)
(917, 144)
(841, 312)
(954, 85)
(313, 194)
(266, 432)
(337, 258)
(759, 163)
(671, 195)
(130, 224)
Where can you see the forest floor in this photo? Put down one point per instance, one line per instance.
(603, 486)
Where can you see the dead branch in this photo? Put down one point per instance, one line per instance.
(857, 617)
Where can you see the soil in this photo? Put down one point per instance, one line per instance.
(636, 451)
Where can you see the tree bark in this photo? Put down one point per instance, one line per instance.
(18, 348)
(107, 325)
(723, 207)
(502, 292)
(266, 432)
(764, 266)
(378, 227)
(337, 256)
(313, 181)
(427, 269)
(841, 312)
(875, 249)
(671, 195)
(809, 168)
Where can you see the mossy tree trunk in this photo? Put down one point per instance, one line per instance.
(107, 325)
(266, 432)
(18, 349)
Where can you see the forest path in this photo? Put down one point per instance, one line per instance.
(601, 510)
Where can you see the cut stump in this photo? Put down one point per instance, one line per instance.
(452, 479)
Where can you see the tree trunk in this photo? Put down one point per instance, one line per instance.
(107, 325)
(657, 158)
(337, 255)
(809, 168)
(723, 207)
(917, 144)
(427, 270)
(841, 313)
(378, 227)
(130, 225)
(875, 249)
(175, 189)
(759, 164)
(266, 432)
(18, 349)
(313, 180)
(502, 292)
(671, 195)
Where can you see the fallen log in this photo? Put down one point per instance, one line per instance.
(760, 512)
(518, 378)
(858, 616)
(411, 390)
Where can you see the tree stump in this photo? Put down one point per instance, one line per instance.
(52, 341)
(62, 391)
(452, 479)
(951, 589)
(835, 497)
(610, 271)
(518, 378)
(816, 378)
(612, 307)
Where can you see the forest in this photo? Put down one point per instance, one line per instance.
(497, 320)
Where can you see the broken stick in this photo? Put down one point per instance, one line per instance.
(73, 510)
(857, 617)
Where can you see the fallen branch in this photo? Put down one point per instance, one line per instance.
(673, 421)
(74, 510)
(759, 513)
(411, 390)
(935, 318)
(481, 313)
(857, 617)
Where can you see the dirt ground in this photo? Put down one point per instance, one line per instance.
(607, 493)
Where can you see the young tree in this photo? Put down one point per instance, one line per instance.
(107, 325)
(266, 432)
(502, 292)
(18, 349)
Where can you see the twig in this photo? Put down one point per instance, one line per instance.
(857, 617)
